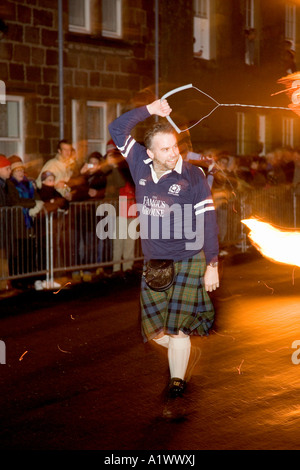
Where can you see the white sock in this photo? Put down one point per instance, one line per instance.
(163, 341)
(178, 355)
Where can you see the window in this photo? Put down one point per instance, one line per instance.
(11, 126)
(247, 133)
(250, 33)
(290, 23)
(79, 16)
(202, 45)
(96, 127)
(82, 17)
(288, 132)
(111, 18)
(249, 20)
(89, 125)
(262, 134)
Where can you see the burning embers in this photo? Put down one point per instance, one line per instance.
(277, 245)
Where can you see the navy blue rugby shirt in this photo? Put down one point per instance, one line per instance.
(176, 213)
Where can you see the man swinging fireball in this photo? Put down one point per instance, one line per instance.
(170, 317)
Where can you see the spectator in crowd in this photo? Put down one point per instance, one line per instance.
(275, 173)
(7, 190)
(116, 165)
(288, 164)
(116, 179)
(23, 259)
(26, 190)
(53, 202)
(243, 173)
(95, 176)
(124, 244)
(7, 198)
(258, 177)
(222, 188)
(52, 199)
(61, 166)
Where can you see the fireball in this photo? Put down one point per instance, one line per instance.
(277, 245)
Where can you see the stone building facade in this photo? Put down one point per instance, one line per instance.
(233, 50)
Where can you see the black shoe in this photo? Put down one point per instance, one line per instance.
(174, 406)
(176, 387)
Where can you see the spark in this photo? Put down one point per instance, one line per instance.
(62, 350)
(228, 336)
(281, 91)
(240, 366)
(279, 349)
(61, 288)
(271, 288)
(293, 276)
(21, 357)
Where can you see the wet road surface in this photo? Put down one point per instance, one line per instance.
(78, 376)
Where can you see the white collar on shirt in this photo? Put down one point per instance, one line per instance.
(178, 168)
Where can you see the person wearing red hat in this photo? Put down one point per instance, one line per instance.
(8, 194)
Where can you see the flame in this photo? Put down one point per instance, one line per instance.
(274, 244)
(292, 89)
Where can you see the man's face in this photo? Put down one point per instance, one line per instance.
(5, 172)
(65, 151)
(164, 151)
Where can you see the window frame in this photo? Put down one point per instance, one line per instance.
(288, 132)
(87, 27)
(118, 33)
(20, 139)
(102, 142)
(202, 29)
(79, 133)
(290, 22)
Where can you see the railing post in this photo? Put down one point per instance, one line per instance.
(243, 235)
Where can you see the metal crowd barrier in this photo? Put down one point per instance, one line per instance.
(58, 242)
(64, 241)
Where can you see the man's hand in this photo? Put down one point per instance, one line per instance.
(211, 278)
(160, 108)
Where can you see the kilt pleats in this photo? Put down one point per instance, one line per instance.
(185, 306)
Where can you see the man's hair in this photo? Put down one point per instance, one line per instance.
(163, 127)
(63, 141)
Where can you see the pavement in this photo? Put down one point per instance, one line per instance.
(78, 376)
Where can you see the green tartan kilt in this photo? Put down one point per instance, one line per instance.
(185, 306)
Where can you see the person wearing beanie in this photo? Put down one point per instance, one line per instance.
(53, 200)
(16, 162)
(28, 198)
(8, 196)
